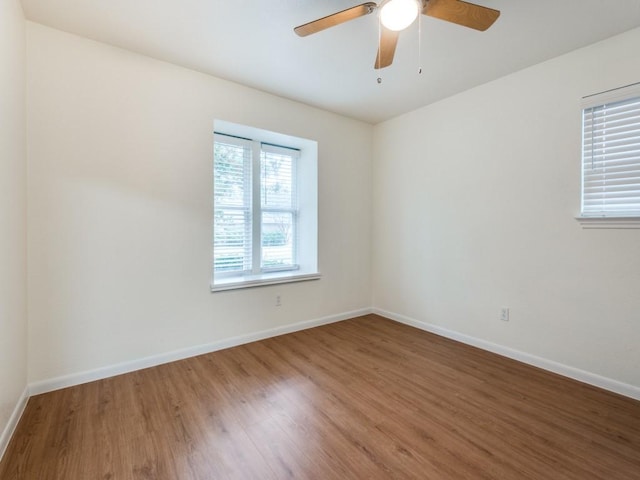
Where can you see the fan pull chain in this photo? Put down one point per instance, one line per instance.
(419, 44)
(379, 51)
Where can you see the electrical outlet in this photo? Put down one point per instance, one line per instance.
(504, 314)
(278, 301)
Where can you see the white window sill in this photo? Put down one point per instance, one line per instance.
(249, 281)
(609, 222)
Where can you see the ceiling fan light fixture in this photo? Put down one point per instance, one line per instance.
(397, 15)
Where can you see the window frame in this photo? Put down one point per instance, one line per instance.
(304, 211)
(612, 219)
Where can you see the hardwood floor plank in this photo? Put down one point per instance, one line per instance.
(363, 398)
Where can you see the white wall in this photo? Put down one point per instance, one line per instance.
(13, 315)
(474, 205)
(120, 152)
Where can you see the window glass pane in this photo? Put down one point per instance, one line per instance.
(611, 159)
(232, 207)
(231, 186)
(276, 178)
(278, 233)
(232, 240)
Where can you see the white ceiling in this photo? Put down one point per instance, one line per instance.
(252, 42)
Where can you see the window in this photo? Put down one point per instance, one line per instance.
(265, 208)
(611, 158)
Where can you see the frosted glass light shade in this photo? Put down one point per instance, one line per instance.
(397, 15)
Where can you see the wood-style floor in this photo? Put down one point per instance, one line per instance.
(366, 398)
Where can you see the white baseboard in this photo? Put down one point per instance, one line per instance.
(13, 421)
(549, 365)
(73, 379)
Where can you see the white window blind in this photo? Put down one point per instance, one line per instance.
(233, 218)
(611, 154)
(278, 207)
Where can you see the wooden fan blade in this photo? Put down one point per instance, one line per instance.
(388, 42)
(335, 19)
(463, 13)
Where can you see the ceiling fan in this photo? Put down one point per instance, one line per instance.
(396, 15)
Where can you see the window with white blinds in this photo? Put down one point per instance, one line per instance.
(257, 234)
(232, 217)
(611, 154)
(278, 206)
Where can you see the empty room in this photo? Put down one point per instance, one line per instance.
(319, 240)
